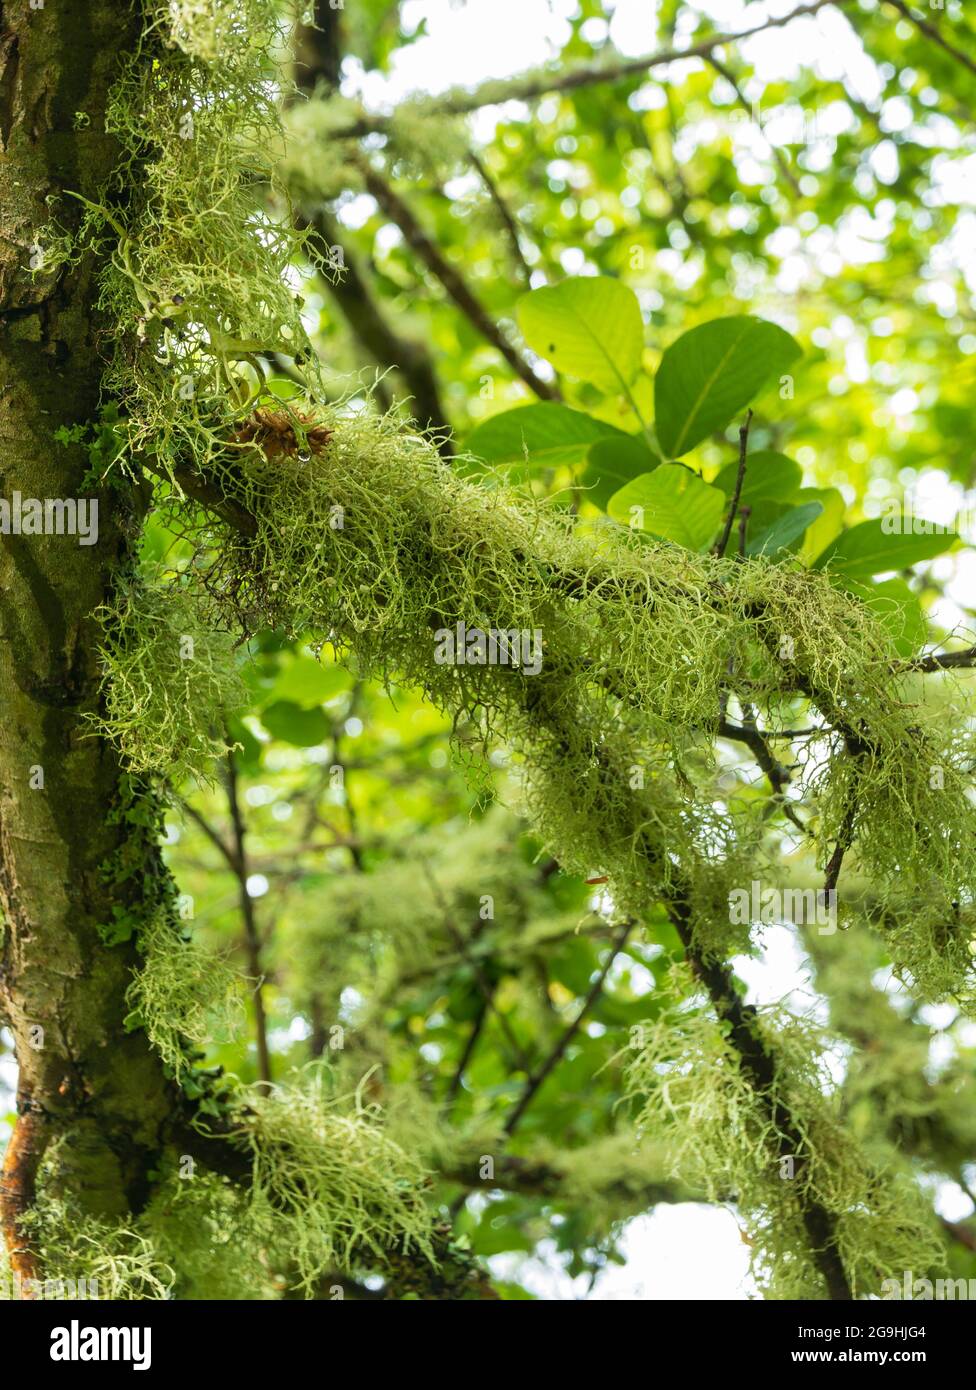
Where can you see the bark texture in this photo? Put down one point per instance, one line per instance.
(92, 1098)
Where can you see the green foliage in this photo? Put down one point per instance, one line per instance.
(590, 328)
(712, 372)
(869, 548)
(671, 503)
(547, 435)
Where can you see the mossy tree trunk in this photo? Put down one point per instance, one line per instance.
(91, 1096)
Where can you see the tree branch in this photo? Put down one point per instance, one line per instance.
(504, 214)
(17, 1188)
(362, 313)
(529, 86)
(947, 661)
(454, 283)
(537, 1078)
(739, 479)
(931, 32)
(252, 936)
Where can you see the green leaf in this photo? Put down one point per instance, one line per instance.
(784, 530)
(248, 748)
(712, 372)
(307, 682)
(674, 503)
(547, 434)
(613, 462)
(868, 549)
(769, 477)
(828, 525)
(302, 727)
(898, 609)
(589, 327)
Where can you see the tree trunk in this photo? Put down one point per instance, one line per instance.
(91, 1097)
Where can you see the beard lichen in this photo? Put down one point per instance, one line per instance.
(114, 1259)
(183, 995)
(331, 1192)
(169, 681)
(330, 1188)
(740, 1144)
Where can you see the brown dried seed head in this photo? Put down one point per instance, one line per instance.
(275, 434)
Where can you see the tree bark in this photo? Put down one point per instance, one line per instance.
(93, 1100)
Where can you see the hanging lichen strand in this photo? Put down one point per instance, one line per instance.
(340, 524)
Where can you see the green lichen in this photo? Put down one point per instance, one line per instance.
(360, 531)
(329, 1187)
(183, 995)
(169, 682)
(691, 1089)
(117, 1257)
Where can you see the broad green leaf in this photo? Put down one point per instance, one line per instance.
(307, 682)
(899, 610)
(868, 549)
(769, 476)
(784, 530)
(589, 327)
(546, 434)
(612, 462)
(671, 502)
(248, 748)
(828, 525)
(289, 722)
(712, 372)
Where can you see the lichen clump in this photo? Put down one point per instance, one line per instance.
(169, 682)
(739, 1143)
(329, 1186)
(183, 995)
(331, 1192)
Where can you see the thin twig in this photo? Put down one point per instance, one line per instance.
(555, 1056)
(466, 1055)
(361, 311)
(931, 32)
(504, 213)
(450, 277)
(252, 938)
(485, 987)
(947, 661)
(739, 479)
